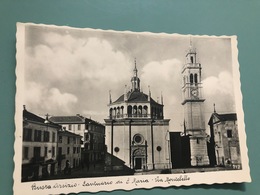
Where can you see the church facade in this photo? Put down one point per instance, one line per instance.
(193, 104)
(137, 135)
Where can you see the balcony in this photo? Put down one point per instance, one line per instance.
(118, 116)
(141, 116)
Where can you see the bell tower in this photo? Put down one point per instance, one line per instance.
(193, 103)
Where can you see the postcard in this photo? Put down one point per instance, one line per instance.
(102, 110)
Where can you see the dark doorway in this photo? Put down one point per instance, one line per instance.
(138, 163)
(52, 169)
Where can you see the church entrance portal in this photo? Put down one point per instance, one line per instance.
(139, 158)
(138, 163)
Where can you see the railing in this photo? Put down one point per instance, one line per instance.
(135, 116)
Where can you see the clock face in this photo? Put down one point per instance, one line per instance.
(194, 92)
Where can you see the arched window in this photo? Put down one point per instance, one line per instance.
(114, 112)
(153, 112)
(129, 111)
(145, 111)
(191, 78)
(140, 111)
(157, 112)
(135, 111)
(118, 112)
(191, 59)
(122, 111)
(161, 113)
(195, 78)
(110, 113)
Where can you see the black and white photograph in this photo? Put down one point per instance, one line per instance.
(101, 110)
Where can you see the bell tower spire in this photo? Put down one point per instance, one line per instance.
(135, 69)
(135, 80)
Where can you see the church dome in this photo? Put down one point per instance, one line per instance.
(135, 104)
(135, 96)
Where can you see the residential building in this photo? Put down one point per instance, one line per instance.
(39, 147)
(224, 140)
(92, 135)
(69, 150)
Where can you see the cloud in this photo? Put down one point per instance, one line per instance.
(64, 57)
(219, 90)
(219, 85)
(162, 74)
(62, 66)
(60, 100)
(165, 77)
(48, 100)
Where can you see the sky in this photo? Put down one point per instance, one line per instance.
(70, 71)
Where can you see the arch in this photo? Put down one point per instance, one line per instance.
(122, 111)
(191, 78)
(153, 112)
(161, 113)
(135, 111)
(192, 59)
(145, 108)
(110, 113)
(129, 111)
(157, 112)
(118, 112)
(196, 78)
(114, 112)
(139, 111)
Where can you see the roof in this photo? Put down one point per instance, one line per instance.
(135, 96)
(35, 118)
(32, 117)
(67, 119)
(227, 117)
(223, 117)
(65, 132)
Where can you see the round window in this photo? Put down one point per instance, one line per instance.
(138, 139)
(158, 148)
(116, 149)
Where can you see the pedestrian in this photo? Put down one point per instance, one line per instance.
(67, 169)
